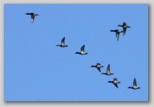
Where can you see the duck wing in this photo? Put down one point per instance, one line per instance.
(99, 69)
(117, 36)
(124, 24)
(124, 30)
(116, 85)
(108, 67)
(134, 82)
(63, 40)
(82, 48)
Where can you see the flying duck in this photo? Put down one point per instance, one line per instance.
(125, 26)
(98, 66)
(32, 16)
(135, 87)
(117, 31)
(62, 43)
(115, 82)
(82, 52)
(108, 73)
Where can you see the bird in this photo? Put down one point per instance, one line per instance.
(108, 73)
(98, 66)
(32, 16)
(135, 87)
(82, 52)
(115, 82)
(62, 43)
(125, 26)
(117, 31)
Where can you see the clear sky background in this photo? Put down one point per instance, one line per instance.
(37, 70)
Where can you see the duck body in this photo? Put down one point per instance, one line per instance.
(117, 31)
(82, 51)
(124, 26)
(98, 66)
(32, 16)
(108, 73)
(135, 87)
(115, 82)
(62, 43)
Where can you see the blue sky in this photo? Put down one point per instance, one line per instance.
(35, 69)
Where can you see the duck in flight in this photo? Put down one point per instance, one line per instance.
(82, 52)
(108, 73)
(135, 87)
(117, 31)
(125, 26)
(115, 82)
(32, 16)
(62, 43)
(98, 66)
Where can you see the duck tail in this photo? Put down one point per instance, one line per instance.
(128, 26)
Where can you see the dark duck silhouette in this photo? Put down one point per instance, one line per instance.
(117, 31)
(108, 73)
(125, 26)
(135, 87)
(62, 43)
(82, 52)
(98, 66)
(115, 82)
(32, 16)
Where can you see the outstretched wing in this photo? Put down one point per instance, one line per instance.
(99, 69)
(117, 36)
(33, 17)
(63, 40)
(116, 85)
(124, 30)
(82, 48)
(134, 82)
(124, 23)
(108, 67)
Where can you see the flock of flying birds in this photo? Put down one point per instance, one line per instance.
(98, 65)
